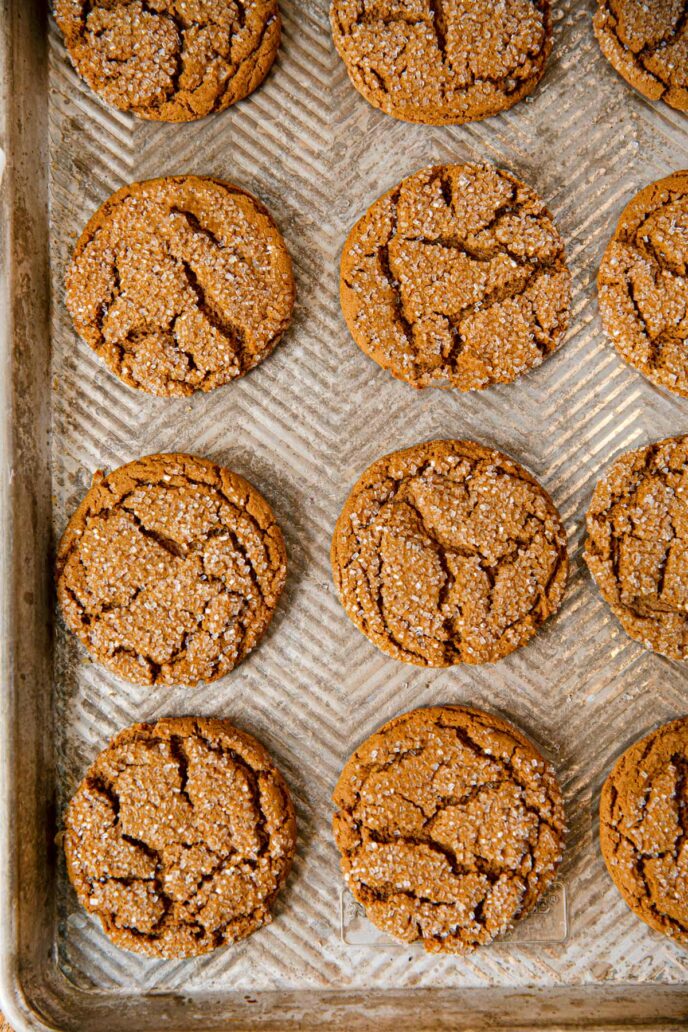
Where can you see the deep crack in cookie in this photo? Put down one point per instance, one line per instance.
(450, 825)
(449, 552)
(443, 63)
(637, 544)
(644, 828)
(180, 284)
(456, 277)
(170, 570)
(180, 836)
(171, 60)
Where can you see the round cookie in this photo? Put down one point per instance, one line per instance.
(449, 552)
(643, 283)
(456, 277)
(180, 284)
(647, 44)
(170, 570)
(644, 828)
(180, 836)
(450, 825)
(170, 60)
(637, 544)
(443, 63)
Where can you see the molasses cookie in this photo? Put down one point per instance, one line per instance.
(180, 836)
(456, 277)
(449, 552)
(180, 284)
(647, 43)
(637, 544)
(170, 570)
(443, 63)
(169, 60)
(643, 283)
(644, 828)
(450, 825)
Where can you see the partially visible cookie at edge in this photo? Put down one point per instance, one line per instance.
(180, 836)
(456, 277)
(180, 284)
(637, 544)
(449, 552)
(450, 826)
(647, 44)
(170, 61)
(643, 283)
(170, 570)
(644, 828)
(443, 63)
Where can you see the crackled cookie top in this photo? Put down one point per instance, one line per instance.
(644, 828)
(170, 570)
(643, 283)
(449, 552)
(646, 41)
(637, 544)
(180, 836)
(457, 276)
(180, 284)
(442, 62)
(450, 825)
(171, 60)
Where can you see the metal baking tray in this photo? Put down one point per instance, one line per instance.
(302, 427)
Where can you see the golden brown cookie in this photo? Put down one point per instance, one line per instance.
(180, 836)
(644, 828)
(171, 60)
(170, 570)
(450, 825)
(449, 552)
(442, 62)
(456, 277)
(643, 283)
(646, 41)
(180, 284)
(637, 544)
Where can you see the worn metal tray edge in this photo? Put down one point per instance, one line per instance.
(34, 994)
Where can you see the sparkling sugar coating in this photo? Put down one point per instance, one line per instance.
(450, 825)
(171, 60)
(180, 837)
(646, 41)
(442, 62)
(449, 552)
(180, 284)
(637, 544)
(456, 277)
(644, 828)
(170, 570)
(643, 283)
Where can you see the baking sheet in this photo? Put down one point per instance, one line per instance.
(302, 427)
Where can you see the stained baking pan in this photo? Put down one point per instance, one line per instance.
(302, 427)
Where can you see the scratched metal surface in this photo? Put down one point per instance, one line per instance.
(302, 427)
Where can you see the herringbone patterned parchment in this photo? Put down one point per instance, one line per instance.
(304, 425)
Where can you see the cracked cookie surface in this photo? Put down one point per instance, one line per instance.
(644, 828)
(456, 277)
(170, 570)
(180, 836)
(180, 284)
(450, 825)
(637, 544)
(647, 44)
(643, 283)
(171, 60)
(449, 552)
(443, 63)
